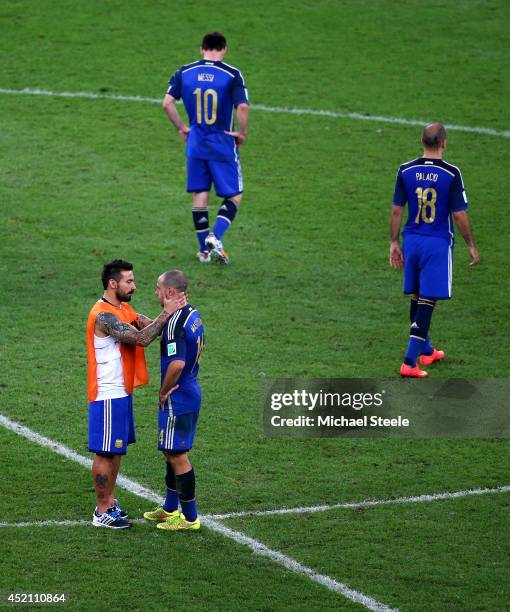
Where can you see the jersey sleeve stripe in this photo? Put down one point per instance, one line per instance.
(232, 68)
(169, 325)
(192, 68)
(174, 323)
(454, 169)
(223, 70)
(192, 311)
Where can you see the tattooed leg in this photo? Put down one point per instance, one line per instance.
(102, 474)
(116, 466)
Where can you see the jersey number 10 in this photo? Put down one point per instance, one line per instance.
(207, 105)
(426, 204)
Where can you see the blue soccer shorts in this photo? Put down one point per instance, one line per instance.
(226, 176)
(111, 425)
(176, 431)
(428, 266)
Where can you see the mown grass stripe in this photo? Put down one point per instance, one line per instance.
(428, 497)
(256, 546)
(262, 107)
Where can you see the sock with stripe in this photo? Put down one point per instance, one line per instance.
(226, 214)
(419, 330)
(201, 222)
(413, 305)
(427, 347)
(186, 491)
(171, 502)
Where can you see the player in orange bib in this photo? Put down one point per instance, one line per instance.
(116, 335)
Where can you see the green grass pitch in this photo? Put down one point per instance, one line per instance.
(309, 293)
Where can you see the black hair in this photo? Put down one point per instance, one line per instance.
(214, 41)
(113, 270)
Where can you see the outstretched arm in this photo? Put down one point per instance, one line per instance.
(123, 332)
(173, 115)
(462, 222)
(396, 257)
(108, 324)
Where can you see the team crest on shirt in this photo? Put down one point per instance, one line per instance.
(203, 76)
(119, 443)
(171, 349)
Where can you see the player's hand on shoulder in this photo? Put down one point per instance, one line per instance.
(475, 256)
(174, 302)
(396, 256)
(239, 136)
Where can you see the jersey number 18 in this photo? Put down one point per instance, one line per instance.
(426, 204)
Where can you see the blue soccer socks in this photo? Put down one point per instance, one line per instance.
(226, 215)
(418, 336)
(180, 488)
(201, 222)
(186, 491)
(413, 305)
(171, 502)
(427, 347)
(414, 350)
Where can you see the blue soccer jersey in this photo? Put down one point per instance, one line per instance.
(210, 91)
(433, 190)
(183, 339)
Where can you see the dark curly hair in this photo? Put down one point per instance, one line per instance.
(113, 270)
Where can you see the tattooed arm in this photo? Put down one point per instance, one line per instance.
(142, 321)
(108, 323)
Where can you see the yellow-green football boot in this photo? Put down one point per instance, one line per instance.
(179, 524)
(160, 514)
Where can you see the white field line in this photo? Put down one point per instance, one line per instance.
(298, 510)
(261, 549)
(257, 547)
(60, 449)
(51, 523)
(364, 504)
(261, 107)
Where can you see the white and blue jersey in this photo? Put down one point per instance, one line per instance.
(433, 190)
(183, 339)
(210, 91)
